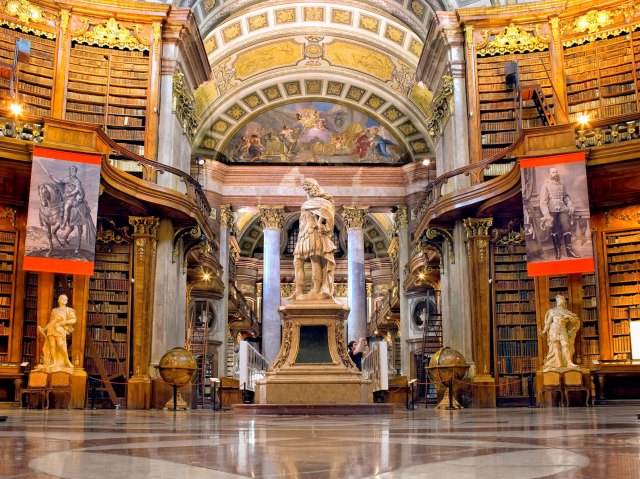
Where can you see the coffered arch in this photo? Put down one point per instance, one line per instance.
(274, 54)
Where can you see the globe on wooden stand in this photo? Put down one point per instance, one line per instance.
(177, 367)
(446, 367)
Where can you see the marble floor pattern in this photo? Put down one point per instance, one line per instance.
(515, 443)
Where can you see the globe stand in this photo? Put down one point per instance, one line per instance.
(177, 402)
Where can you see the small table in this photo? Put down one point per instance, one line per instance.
(610, 378)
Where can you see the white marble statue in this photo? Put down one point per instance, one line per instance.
(315, 243)
(54, 352)
(560, 327)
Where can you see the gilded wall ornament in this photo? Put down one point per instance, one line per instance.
(227, 218)
(258, 22)
(140, 244)
(144, 225)
(511, 234)
(432, 232)
(341, 16)
(625, 217)
(442, 109)
(475, 227)
(400, 220)
(224, 76)
(404, 78)
(415, 47)
(313, 14)
(592, 21)
(271, 217)
(231, 32)
(514, 39)
(24, 11)
(287, 15)
(184, 106)
(157, 33)
(369, 23)
(468, 33)
(354, 217)
(110, 34)
(64, 20)
(9, 213)
(395, 35)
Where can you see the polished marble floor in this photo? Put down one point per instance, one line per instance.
(568, 443)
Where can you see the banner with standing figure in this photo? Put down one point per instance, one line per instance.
(556, 215)
(63, 211)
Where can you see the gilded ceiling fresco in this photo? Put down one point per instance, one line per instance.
(313, 133)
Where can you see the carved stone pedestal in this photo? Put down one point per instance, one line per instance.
(313, 365)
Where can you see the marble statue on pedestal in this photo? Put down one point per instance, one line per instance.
(560, 327)
(315, 243)
(54, 352)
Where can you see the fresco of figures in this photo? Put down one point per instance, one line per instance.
(314, 133)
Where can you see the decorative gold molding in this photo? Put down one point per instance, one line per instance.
(192, 231)
(184, 106)
(64, 21)
(157, 33)
(477, 227)
(25, 11)
(511, 234)
(400, 219)
(110, 34)
(442, 109)
(514, 39)
(271, 217)
(227, 219)
(144, 225)
(9, 213)
(593, 21)
(625, 218)
(354, 217)
(432, 232)
(468, 33)
(111, 234)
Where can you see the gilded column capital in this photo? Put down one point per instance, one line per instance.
(355, 217)
(9, 213)
(271, 217)
(226, 217)
(477, 227)
(400, 219)
(144, 225)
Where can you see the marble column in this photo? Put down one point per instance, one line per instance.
(355, 218)
(401, 228)
(271, 219)
(477, 230)
(222, 308)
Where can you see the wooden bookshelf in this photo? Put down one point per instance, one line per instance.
(514, 319)
(498, 108)
(589, 331)
(109, 87)
(623, 288)
(35, 79)
(108, 321)
(8, 244)
(30, 328)
(602, 76)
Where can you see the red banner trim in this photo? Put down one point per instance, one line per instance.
(567, 266)
(94, 159)
(53, 265)
(552, 160)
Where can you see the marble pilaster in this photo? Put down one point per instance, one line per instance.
(272, 220)
(355, 218)
(401, 228)
(222, 305)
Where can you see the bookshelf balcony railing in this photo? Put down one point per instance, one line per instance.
(608, 131)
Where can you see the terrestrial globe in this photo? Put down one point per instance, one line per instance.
(177, 366)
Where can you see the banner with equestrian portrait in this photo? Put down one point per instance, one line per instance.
(63, 211)
(557, 226)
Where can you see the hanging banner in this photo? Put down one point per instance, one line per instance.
(63, 211)
(556, 215)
